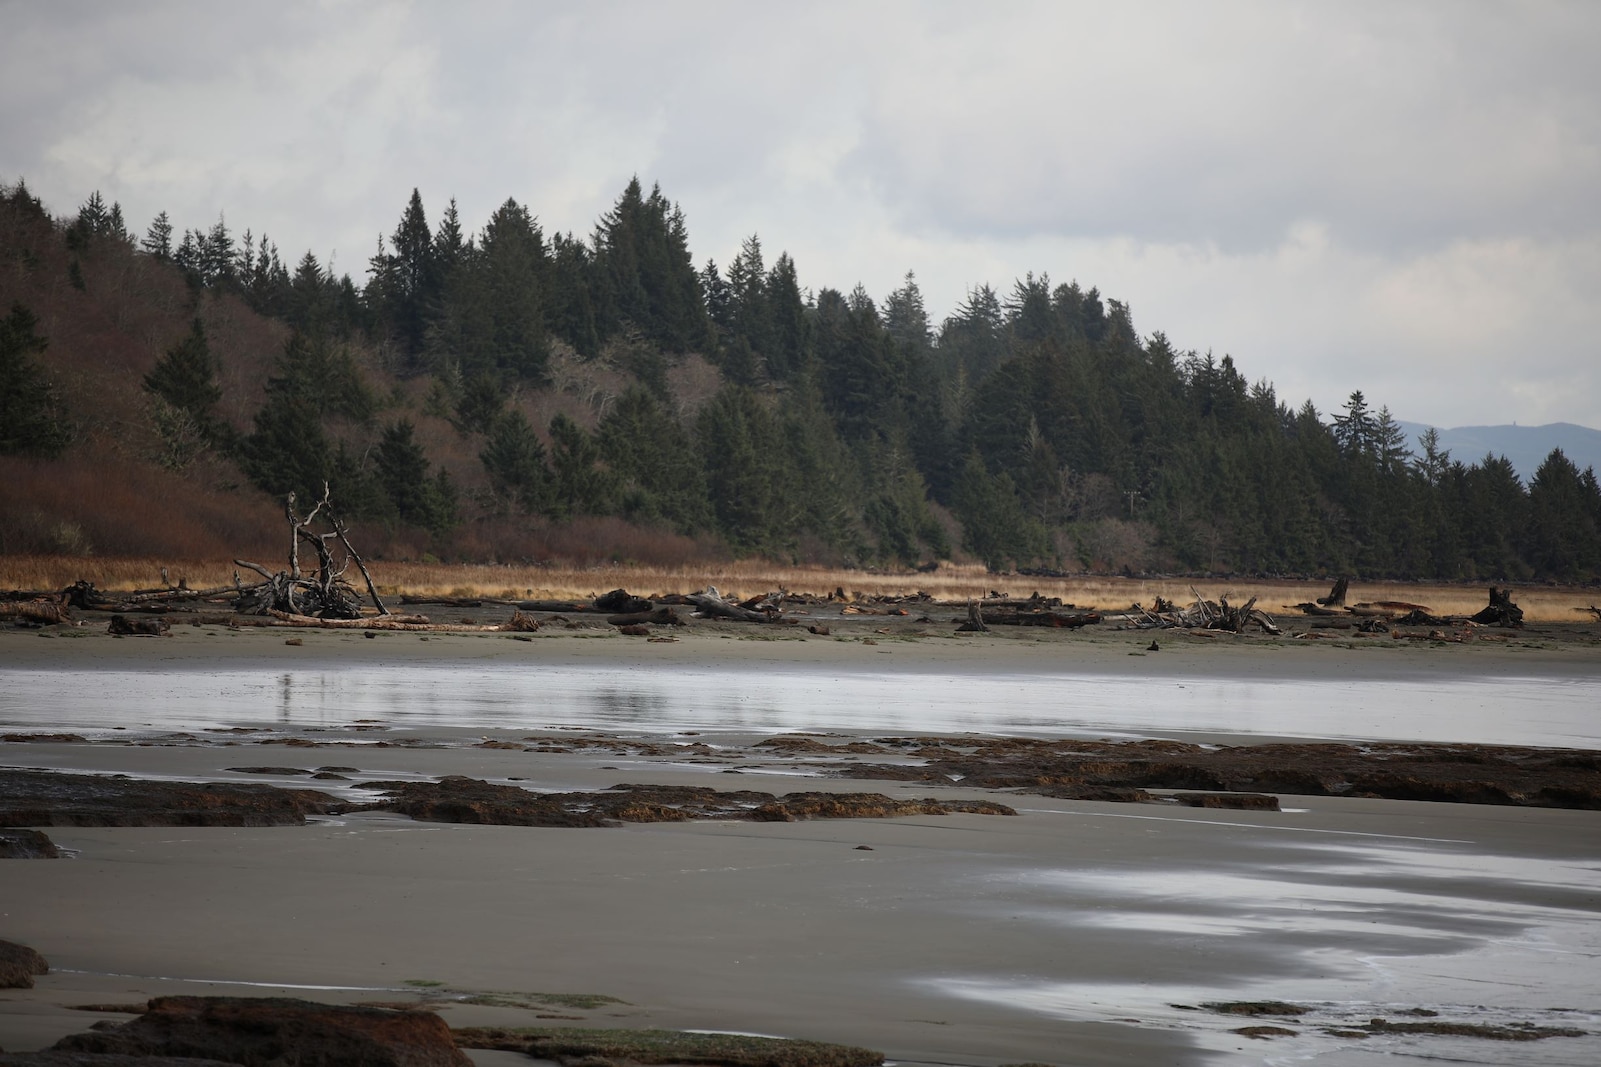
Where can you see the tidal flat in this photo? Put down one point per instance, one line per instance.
(1073, 932)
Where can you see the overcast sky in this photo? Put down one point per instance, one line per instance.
(1399, 198)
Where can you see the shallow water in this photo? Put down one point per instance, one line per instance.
(1365, 926)
(1514, 710)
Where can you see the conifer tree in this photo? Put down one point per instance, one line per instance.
(186, 378)
(32, 419)
(514, 459)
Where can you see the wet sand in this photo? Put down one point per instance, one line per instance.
(1064, 935)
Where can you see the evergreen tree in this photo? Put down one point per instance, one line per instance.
(661, 476)
(580, 484)
(158, 239)
(514, 459)
(186, 378)
(1561, 539)
(402, 469)
(994, 526)
(32, 419)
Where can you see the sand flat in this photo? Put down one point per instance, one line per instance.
(1063, 935)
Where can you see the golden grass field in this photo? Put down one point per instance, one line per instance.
(952, 582)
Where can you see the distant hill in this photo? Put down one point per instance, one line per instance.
(1525, 446)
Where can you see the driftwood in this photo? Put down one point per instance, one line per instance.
(1500, 611)
(711, 605)
(561, 607)
(1593, 610)
(47, 611)
(975, 620)
(1205, 617)
(1056, 619)
(521, 623)
(324, 593)
(1336, 597)
(662, 616)
(382, 622)
(621, 602)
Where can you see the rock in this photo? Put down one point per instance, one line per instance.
(19, 964)
(276, 1032)
(27, 845)
(1469, 774)
(468, 800)
(44, 798)
(123, 626)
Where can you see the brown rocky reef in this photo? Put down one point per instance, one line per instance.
(276, 1031)
(18, 965)
(27, 845)
(1109, 770)
(468, 800)
(45, 798)
(580, 1047)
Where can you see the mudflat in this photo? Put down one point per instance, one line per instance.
(1072, 932)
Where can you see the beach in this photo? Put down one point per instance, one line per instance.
(1073, 932)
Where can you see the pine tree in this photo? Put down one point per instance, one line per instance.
(186, 378)
(402, 469)
(580, 484)
(32, 419)
(661, 476)
(158, 239)
(514, 459)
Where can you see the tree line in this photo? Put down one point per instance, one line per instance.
(1032, 428)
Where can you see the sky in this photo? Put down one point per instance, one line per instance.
(1401, 198)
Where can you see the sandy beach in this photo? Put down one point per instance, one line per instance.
(1074, 932)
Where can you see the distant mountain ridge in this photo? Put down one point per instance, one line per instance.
(1525, 446)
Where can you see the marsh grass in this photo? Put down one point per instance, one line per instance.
(744, 578)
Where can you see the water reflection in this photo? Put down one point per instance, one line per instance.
(1540, 711)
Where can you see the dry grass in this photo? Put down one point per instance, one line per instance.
(951, 582)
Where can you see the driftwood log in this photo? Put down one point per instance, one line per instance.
(711, 605)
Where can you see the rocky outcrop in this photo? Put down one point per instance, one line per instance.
(44, 798)
(275, 1032)
(27, 845)
(1468, 774)
(468, 800)
(19, 964)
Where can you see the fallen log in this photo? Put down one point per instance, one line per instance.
(381, 622)
(662, 616)
(559, 606)
(1055, 619)
(710, 604)
(50, 612)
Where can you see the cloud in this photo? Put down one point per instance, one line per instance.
(1392, 197)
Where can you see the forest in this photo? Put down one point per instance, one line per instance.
(507, 394)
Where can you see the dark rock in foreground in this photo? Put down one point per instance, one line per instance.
(19, 964)
(276, 1032)
(468, 800)
(44, 798)
(27, 845)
